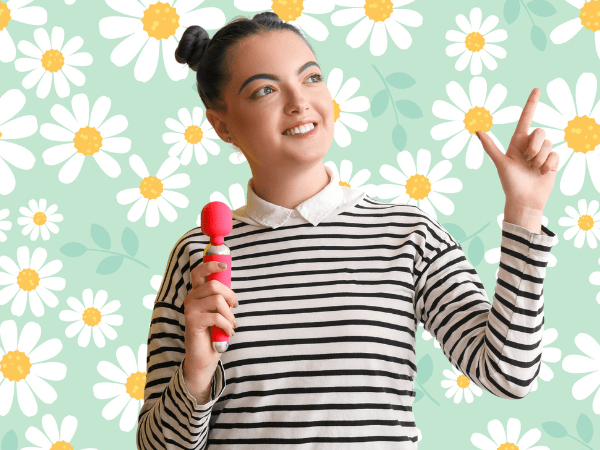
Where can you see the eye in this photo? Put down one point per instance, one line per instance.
(318, 77)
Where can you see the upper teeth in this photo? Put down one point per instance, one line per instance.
(300, 129)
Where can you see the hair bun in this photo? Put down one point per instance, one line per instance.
(192, 46)
(265, 17)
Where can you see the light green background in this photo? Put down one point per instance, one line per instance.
(570, 304)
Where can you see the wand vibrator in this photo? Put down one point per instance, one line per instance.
(215, 221)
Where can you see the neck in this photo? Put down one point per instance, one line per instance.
(290, 189)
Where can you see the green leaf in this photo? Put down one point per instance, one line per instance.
(409, 109)
(400, 80)
(100, 236)
(511, 10)
(73, 249)
(109, 265)
(554, 429)
(475, 251)
(538, 37)
(380, 103)
(130, 241)
(399, 137)
(10, 441)
(424, 369)
(455, 231)
(541, 8)
(585, 428)
(418, 395)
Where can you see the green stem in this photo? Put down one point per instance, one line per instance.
(387, 89)
(118, 254)
(527, 12)
(426, 393)
(573, 437)
(474, 234)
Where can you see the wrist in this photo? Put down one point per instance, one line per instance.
(528, 218)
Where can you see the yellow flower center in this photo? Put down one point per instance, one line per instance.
(28, 279)
(589, 16)
(193, 134)
(53, 60)
(582, 134)
(135, 385)
(15, 365)
(585, 222)
(508, 446)
(39, 218)
(160, 20)
(88, 141)
(463, 381)
(478, 119)
(92, 317)
(151, 187)
(288, 10)
(336, 111)
(378, 10)
(474, 41)
(61, 445)
(4, 15)
(418, 187)
(343, 183)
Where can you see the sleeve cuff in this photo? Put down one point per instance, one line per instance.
(217, 387)
(540, 244)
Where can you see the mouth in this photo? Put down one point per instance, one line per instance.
(304, 135)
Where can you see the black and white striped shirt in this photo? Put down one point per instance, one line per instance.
(330, 295)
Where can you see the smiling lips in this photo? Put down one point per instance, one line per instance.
(301, 130)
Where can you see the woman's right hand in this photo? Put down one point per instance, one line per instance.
(206, 305)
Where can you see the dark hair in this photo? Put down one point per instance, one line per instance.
(208, 57)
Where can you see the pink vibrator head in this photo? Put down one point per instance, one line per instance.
(215, 221)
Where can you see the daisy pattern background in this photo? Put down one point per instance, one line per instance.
(50, 436)
(51, 63)
(139, 107)
(581, 20)
(475, 42)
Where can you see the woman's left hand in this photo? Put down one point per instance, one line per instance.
(525, 187)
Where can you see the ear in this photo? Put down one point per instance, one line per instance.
(219, 126)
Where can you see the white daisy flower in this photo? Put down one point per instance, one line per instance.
(148, 300)
(94, 316)
(508, 438)
(50, 61)
(458, 384)
(426, 335)
(69, 2)
(29, 372)
(50, 438)
(127, 387)
(474, 42)
(492, 256)
(346, 179)
(415, 185)
(298, 13)
(150, 25)
(155, 192)
(30, 279)
(11, 103)
(236, 193)
(38, 219)
(344, 106)
(476, 113)
(583, 388)
(85, 136)
(14, 9)
(4, 224)
(583, 224)
(588, 10)
(382, 18)
(576, 130)
(191, 137)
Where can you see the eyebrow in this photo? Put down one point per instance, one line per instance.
(269, 76)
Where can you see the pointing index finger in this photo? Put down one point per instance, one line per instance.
(528, 112)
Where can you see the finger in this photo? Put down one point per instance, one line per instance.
(552, 163)
(542, 155)
(490, 147)
(199, 273)
(528, 112)
(536, 141)
(222, 307)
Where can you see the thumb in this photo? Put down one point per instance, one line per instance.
(490, 147)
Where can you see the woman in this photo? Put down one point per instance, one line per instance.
(329, 285)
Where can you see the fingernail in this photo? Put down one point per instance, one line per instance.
(223, 266)
(235, 324)
(527, 158)
(477, 133)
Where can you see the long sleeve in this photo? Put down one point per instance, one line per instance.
(170, 417)
(497, 346)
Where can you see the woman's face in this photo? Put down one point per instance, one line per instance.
(260, 110)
